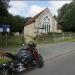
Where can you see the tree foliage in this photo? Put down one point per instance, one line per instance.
(55, 17)
(66, 17)
(3, 9)
(16, 23)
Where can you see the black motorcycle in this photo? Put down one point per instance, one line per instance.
(20, 62)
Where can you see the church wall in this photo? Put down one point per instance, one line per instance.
(29, 32)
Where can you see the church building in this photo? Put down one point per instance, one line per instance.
(42, 23)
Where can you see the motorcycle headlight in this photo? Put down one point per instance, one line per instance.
(4, 64)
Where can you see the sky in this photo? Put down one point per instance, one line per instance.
(31, 8)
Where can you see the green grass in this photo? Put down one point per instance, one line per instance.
(12, 51)
(4, 60)
(70, 40)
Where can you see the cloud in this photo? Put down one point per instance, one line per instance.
(17, 7)
(24, 8)
(35, 10)
(55, 5)
(29, 8)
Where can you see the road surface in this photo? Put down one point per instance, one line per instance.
(60, 62)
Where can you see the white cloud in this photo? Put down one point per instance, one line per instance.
(55, 5)
(25, 8)
(17, 7)
(35, 10)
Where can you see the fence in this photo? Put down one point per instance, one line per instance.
(53, 37)
(44, 38)
(11, 41)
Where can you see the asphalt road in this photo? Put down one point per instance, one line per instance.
(60, 62)
(52, 50)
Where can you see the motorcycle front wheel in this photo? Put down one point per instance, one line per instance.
(40, 62)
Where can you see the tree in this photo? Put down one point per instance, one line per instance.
(3, 10)
(66, 17)
(16, 23)
(55, 17)
(6, 3)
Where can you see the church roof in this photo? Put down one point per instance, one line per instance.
(33, 18)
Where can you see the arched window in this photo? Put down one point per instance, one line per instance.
(46, 24)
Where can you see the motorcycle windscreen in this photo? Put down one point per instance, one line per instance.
(24, 54)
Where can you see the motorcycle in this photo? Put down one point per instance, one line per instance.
(21, 61)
